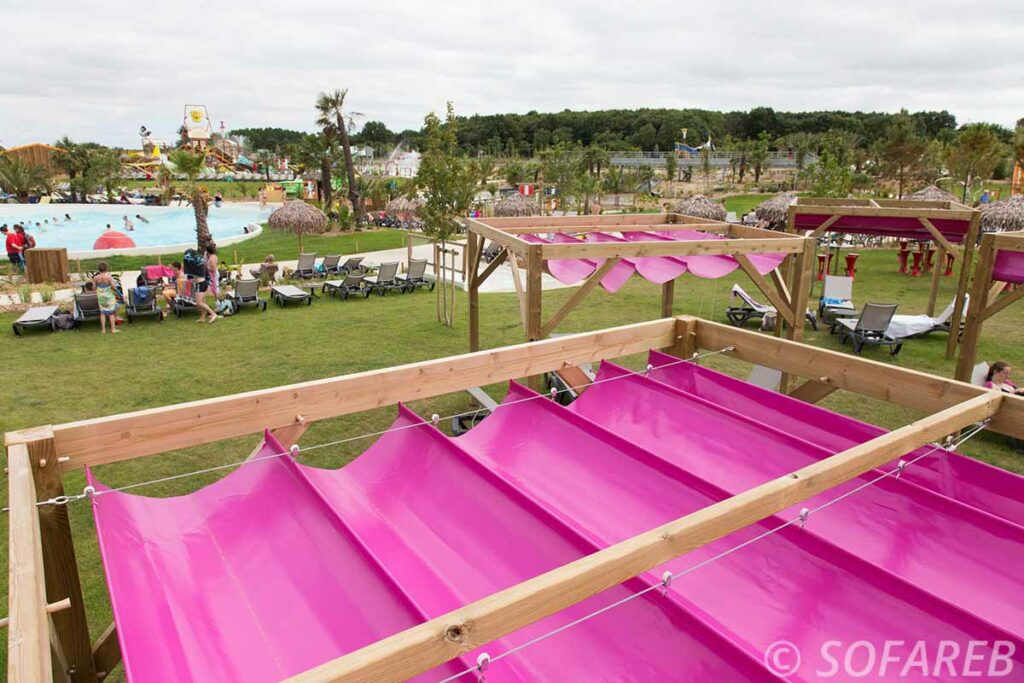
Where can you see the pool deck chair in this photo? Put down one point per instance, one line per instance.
(836, 298)
(87, 307)
(329, 266)
(143, 307)
(352, 285)
(37, 316)
(306, 267)
(739, 315)
(903, 326)
(416, 276)
(386, 279)
(764, 377)
(265, 273)
(247, 293)
(870, 328)
(463, 422)
(350, 265)
(283, 294)
(979, 373)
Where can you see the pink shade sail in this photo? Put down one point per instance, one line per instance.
(902, 227)
(1009, 267)
(567, 271)
(656, 269)
(613, 279)
(280, 566)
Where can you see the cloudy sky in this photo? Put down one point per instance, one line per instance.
(98, 70)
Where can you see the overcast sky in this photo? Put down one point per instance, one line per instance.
(98, 70)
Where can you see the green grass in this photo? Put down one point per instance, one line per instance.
(745, 203)
(236, 189)
(82, 374)
(283, 245)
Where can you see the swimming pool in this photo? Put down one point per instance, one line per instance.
(168, 226)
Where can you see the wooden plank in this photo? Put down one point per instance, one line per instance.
(28, 634)
(570, 221)
(1001, 303)
(578, 296)
(750, 232)
(668, 296)
(60, 563)
(492, 266)
(421, 648)
(290, 435)
(812, 391)
(939, 237)
(511, 242)
(534, 293)
(801, 289)
(1009, 241)
(517, 282)
(766, 288)
(685, 343)
(823, 227)
(780, 285)
(541, 228)
(804, 208)
(106, 653)
(933, 290)
(473, 290)
(882, 381)
(120, 437)
(963, 282)
(600, 250)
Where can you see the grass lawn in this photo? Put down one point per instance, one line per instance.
(54, 378)
(283, 245)
(743, 204)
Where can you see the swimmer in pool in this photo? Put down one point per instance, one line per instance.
(67, 217)
(142, 218)
(128, 225)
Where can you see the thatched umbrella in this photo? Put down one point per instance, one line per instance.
(932, 194)
(774, 211)
(515, 205)
(299, 217)
(1004, 215)
(700, 206)
(403, 206)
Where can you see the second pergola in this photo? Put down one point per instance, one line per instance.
(522, 244)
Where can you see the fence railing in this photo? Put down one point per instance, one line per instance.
(718, 159)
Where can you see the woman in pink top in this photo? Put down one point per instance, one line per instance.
(998, 377)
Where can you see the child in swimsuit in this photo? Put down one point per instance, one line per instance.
(106, 298)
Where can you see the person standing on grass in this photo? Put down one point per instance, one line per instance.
(13, 242)
(105, 297)
(208, 286)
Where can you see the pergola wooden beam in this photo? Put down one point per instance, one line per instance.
(983, 292)
(421, 648)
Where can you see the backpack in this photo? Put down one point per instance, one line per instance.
(193, 264)
(30, 241)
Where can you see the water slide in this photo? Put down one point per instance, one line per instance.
(280, 566)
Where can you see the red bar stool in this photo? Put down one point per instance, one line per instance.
(851, 264)
(915, 271)
(821, 267)
(929, 257)
(949, 264)
(903, 254)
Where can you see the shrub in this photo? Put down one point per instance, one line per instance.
(46, 293)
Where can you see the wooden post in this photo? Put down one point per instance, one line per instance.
(970, 244)
(474, 246)
(787, 266)
(976, 310)
(668, 295)
(423, 647)
(28, 633)
(60, 563)
(801, 288)
(933, 293)
(534, 271)
(408, 248)
(685, 344)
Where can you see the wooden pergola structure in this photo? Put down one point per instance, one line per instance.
(952, 226)
(527, 260)
(48, 637)
(987, 297)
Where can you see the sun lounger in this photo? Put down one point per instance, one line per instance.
(144, 306)
(751, 309)
(386, 279)
(283, 294)
(416, 276)
(353, 264)
(37, 316)
(765, 377)
(329, 266)
(979, 373)
(266, 273)
(306, 267)
(352, 285)
(247, 293)
(903, 326)
(870, 328)
(836, 298)
(87, 307)
(464, 422)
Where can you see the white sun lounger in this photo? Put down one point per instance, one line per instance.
(37, 316)
(738, 315)
(903, 326)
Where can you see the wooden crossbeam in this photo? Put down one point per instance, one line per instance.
(421, 648)
(824, 226)
(106, 652)
(781, 305)
(813, 391)
(491, 267)
(578, 296)
(517, 282)
(1001, 303)
(939, 237)
(600, 250)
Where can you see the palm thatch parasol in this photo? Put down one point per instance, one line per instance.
(700, 206)
(1005, 215)
(932, 194)
(300, 218)
(774, 211)
(515, 205)
(403, 206)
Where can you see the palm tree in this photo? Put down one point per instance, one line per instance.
(21, 179)
(318, 151)
(333, 118)
(71, 162)
(192, 165)
(264, 159)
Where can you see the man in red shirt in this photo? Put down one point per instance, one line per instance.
(15, 244)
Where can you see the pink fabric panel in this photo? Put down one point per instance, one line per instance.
(656, 269)
(566, 271)
(1009, 267)
(906, 227)
(615, 278)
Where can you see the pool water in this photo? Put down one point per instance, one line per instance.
(167, 224)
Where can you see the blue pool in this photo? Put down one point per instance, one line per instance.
(168, 225)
